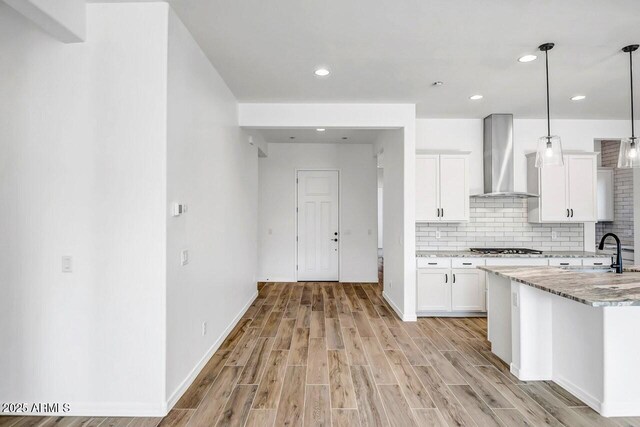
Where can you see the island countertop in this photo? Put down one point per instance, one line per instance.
(594, 289)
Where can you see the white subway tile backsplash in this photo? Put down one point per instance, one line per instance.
(499, 223)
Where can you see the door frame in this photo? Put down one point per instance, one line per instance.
(295, 214)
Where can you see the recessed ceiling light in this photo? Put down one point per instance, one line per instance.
(320, 129)
(475, 97)
(578, 97)
(322, 72)
(292, 137)
(344, 137)
(527, 58)
(438, 83)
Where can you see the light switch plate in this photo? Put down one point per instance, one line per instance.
(67, 264)
(184, 257)
(179, 209)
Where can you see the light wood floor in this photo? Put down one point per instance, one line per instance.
(335, 354)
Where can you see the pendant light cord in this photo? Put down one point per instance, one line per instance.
(546, 61)
(633, 133)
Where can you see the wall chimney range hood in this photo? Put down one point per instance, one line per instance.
(499, 168)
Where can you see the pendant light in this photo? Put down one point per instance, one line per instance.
(629, 156)
(549, 147)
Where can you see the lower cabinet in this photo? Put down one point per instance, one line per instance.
(468, 291)
(434, 292)
(454, 286)
(446, 290)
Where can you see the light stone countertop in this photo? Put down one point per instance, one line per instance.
(545, 254)
(599, 289)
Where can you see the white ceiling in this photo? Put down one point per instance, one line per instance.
(392, 51)
(329, 136)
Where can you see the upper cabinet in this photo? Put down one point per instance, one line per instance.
(567, 193)
(442, 187)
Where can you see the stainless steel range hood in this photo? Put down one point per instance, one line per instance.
(499, 168)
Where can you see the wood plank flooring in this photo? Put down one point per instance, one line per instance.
(335, 354)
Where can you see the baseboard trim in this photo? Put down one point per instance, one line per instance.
(278, 279)
(405, 317)
(587, 398)
(180, 390)
(529, 376)
(451, 314)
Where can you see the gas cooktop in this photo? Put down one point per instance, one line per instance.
(506, 251)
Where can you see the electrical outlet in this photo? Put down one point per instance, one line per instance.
(514, 300)
(204, 328)
(184, 257)
(554, 235)
(438, 234)
(390, 284)
(67, 264)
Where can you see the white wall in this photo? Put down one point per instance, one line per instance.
(82, 137)
(380, 206)
(212, 168)
(393, 224)
(358, 215)
(98, 139)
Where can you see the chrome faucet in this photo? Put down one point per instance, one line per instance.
(618, 264)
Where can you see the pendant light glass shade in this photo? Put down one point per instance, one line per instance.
(629, 156)
(549, 152)
(549, 147)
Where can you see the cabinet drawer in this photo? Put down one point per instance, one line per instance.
(596, 262)
(433, 262)
(565, 262)
(466, 262)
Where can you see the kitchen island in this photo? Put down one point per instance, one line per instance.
(577, 327)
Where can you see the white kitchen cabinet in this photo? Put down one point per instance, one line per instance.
(442, 187)
(450, 285)
(434, 290)
(567, 193)
(605, 194)
(427, 188)
(467, 289)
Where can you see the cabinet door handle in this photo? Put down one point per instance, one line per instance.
(446, 278)
(466, 263)
(564, 263)
(567, 213)
(597, 263)
(442, 210)
(432, 263)
(571, 213)
(454, 277)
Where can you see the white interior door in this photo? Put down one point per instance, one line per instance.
(318, 239)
